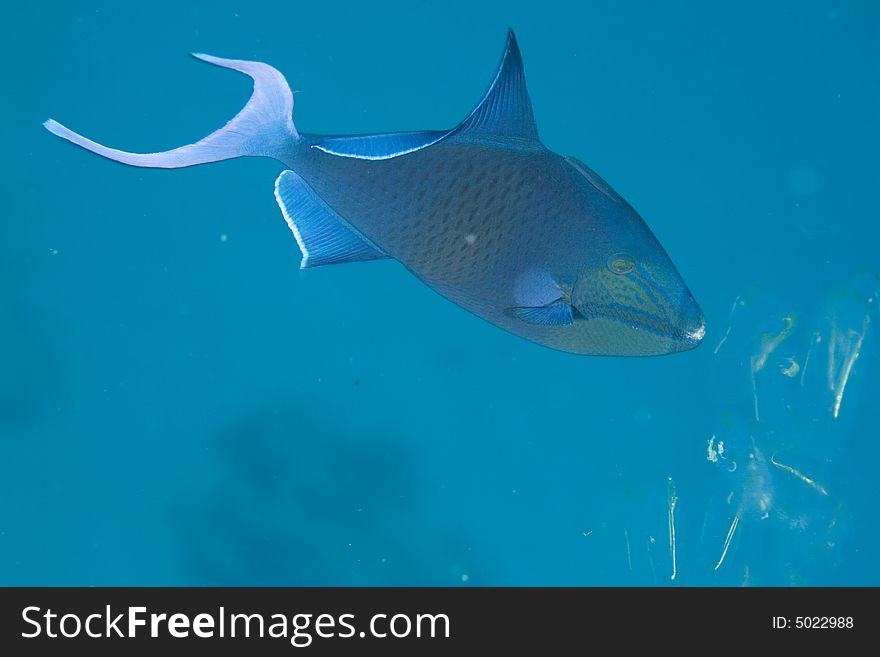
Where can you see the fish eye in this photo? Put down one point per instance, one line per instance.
(621, 263)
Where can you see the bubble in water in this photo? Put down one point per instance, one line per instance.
(789, 381)
(802, 181)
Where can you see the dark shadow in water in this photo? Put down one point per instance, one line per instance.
(298, 501)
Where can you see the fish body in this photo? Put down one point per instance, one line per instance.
(484, 214)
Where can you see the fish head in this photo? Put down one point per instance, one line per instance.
(638, 303)
(627, 296)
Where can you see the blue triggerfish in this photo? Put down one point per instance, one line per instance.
(484, 214)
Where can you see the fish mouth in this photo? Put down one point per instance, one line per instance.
(695, 336)
(661, 318)
(681, 335)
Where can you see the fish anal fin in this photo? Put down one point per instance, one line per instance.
(323, 236)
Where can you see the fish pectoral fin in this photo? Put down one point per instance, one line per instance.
(379, 147)
(558, 313)
(535, 287)
(323, 236)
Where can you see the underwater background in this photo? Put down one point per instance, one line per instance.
(181, 405)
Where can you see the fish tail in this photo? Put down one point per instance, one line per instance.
(264, 127)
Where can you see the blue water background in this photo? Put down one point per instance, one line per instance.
(180, 404)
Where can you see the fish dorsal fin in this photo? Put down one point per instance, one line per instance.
(506, 109)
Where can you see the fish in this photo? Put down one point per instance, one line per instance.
(533, 242)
